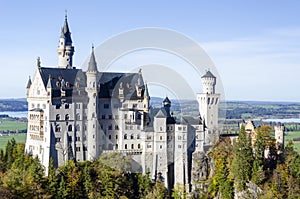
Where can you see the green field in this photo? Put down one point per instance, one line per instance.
(21, 137)
(290, 136)
(8, 124)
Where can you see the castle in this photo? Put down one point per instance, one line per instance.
(76, 114)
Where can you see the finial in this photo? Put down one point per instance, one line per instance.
(66, 14)
(38, 62)
(92, 47)
(140, 70)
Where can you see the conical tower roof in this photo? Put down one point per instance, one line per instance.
(29, 83)
(92, 63)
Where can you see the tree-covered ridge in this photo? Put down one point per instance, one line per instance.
(259, 170)
(22, 176)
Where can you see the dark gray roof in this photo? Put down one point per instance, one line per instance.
(161, 114)
(166, 100)
(72, 80)
(92, 62)
(154, 112)
(190, 120)
(208, 74)
(29, 83)
(146, 93)
(65, 32)
(111, 82)
(62, 79)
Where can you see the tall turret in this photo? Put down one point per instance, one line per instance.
(92, 122)
(208, 104)
(65, 49)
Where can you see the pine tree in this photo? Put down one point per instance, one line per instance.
(258, 173)
(242, 160)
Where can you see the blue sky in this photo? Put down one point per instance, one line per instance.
(255, 45)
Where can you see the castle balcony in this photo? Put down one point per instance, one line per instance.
(125, 152)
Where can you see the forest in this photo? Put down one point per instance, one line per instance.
(240, 170)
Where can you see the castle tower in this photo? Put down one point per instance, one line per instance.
(93, 149)
(65, 49)
(208, 104)
(279, 137)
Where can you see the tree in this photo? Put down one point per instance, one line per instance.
(221, 182)
(52, 180)
(242, 160)
(159, 191)
(258, 173)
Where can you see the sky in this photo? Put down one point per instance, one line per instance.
(254, 45)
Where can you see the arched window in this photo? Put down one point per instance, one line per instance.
(57, 128)
(116, 146)
(57, 117)
(125, 146)
(77, 116)
(132, 146)
(70, 128)
(67, 117)
(131, 136)
(139, 146)
(125, 137)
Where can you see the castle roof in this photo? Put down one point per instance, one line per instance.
(71, 80)
(208, 74)
(92, 62)
(190, 120)
(29, 83)
(65, 32)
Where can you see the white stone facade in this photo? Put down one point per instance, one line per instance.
(75, 114)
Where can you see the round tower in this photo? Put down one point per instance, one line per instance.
(208, 83)
(65, 49)
(93, 136)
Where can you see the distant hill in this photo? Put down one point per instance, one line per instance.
(232, 109)
(19, 104)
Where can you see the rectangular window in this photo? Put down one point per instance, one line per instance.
(84, 148)
(110, 127)
(116, 117)
(149, 146)
(103, 117)
(77, 138)
(110, 117)
(116, 127)
(57, 139)
(106, 106)
(77, 148)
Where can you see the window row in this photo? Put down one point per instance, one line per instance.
(132, 146)
(131, 136)
(67, 117)
(58, 106)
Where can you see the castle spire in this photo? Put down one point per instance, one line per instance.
(49, 82)
(65, 49)
(146, 93)
(29, 83)
(92, 63)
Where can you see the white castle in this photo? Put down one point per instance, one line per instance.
(76, 114)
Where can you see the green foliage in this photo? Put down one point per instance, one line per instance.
(242, 160)
(179, 192)
(221, 182)
(258, 173)
(159, 191)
